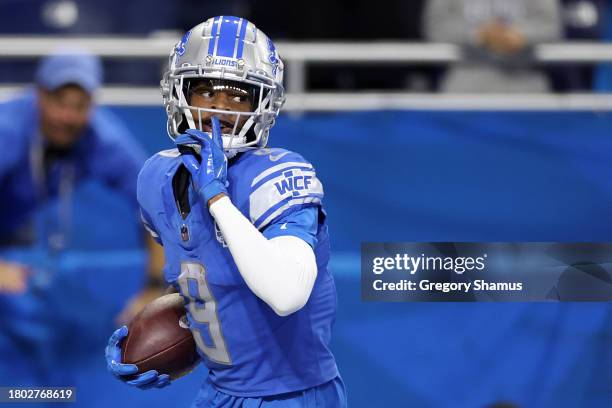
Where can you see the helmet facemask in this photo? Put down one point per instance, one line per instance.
(243, 130)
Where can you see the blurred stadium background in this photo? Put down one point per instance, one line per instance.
(367, 84)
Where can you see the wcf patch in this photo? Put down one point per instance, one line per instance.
(293, 181)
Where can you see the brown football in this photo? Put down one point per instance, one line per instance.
(159, 339)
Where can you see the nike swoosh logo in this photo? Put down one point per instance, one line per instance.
(278, 156)
(284, 226)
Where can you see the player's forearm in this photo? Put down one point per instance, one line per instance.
(280, 271)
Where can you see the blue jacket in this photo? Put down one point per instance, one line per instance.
(106, 152)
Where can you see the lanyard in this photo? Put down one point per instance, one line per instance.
(53, 225)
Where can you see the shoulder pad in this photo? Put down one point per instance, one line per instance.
(277, 181)
(154, 172)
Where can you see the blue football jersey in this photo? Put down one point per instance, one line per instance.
(249, 349)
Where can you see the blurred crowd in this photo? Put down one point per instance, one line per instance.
(497, 37)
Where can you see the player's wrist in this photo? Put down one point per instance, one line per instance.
(216, 199)
(212, 190)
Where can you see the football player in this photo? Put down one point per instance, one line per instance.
(243, 229)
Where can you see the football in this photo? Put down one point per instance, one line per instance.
(159, 339)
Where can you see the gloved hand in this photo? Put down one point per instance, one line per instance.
(210, 176)
(150, 379)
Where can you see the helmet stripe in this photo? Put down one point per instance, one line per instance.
(241, 36)
(227, 36)
(240, 24)
(213, 35)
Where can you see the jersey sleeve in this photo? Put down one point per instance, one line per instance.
(148, 225)
(303, 223)
(285, 195)
(146, 199)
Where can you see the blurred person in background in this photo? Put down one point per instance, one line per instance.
(54, 138)
(496, 35)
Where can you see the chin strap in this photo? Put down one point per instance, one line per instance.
(251, 121)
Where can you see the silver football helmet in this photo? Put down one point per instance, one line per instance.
(228, 52)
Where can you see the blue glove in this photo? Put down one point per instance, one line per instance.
(150, 379)
(209, 177)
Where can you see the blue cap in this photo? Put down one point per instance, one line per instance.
(62, 68)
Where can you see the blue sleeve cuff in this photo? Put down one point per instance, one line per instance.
(302, 223)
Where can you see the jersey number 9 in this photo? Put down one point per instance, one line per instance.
(202, 307)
